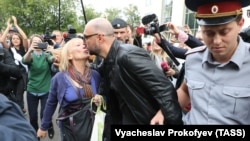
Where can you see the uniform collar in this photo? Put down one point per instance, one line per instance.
(240, 53)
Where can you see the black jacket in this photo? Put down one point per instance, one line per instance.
(9, 71)
(180, 52)
(136, 89)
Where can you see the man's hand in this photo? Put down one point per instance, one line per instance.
(158, 119)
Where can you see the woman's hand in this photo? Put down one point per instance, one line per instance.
(172, 28)
(170, 72)
(33, 46)
(41, 134)
(14, 20)
(98, 99)
(50, 48)
(56, 61)
(9, 25)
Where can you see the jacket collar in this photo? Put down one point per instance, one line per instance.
(112, 52)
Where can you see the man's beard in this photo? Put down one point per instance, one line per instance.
(120, 39)
(92, 53)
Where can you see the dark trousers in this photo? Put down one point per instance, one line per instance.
(32, 103)
(19, 93)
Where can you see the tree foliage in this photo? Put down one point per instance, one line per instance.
(34, 16)
(132, 15)
(90, 14)
(129, 14)
(112, 13)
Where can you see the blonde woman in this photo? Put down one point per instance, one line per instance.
(75, 81)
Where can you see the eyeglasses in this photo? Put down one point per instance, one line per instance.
(88, 36)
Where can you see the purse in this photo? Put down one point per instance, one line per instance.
(76, 121)
(99, 121)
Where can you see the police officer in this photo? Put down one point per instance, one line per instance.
(217, 75)
(121, 32)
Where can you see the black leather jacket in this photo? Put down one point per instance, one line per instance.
(136, 89)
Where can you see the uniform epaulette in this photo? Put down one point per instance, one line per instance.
(196, 49)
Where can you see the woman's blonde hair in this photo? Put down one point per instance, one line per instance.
(64, 61)
(162, 53)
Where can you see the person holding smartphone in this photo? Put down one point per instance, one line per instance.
(39, 77)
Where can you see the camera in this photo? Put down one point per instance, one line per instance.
(42, 45)
(71, 33)
(140, 30)
(151, 21)
(47, 37)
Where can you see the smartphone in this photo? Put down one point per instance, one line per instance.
(42, 45)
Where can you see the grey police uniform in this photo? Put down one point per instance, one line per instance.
(219, 93)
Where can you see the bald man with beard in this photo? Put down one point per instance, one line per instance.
(137, 92)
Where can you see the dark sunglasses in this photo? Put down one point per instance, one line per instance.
(88, 36)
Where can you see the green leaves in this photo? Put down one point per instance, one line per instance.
(33, 16)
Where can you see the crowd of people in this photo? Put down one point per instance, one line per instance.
(135, 81)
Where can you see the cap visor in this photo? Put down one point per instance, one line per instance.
(216, 21)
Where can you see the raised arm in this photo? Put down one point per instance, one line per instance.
(6, 31)
(28, 55)
(22, 33)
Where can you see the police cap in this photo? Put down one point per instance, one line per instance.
(216, 12)
(118, 23)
